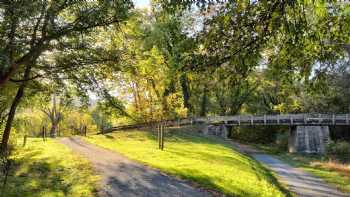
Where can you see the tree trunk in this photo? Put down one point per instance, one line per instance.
(53, 131)
(11, 115)
(204, 104)
(186, 94)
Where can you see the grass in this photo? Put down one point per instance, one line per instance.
(49, 169)
(332, 172)
(208, 161)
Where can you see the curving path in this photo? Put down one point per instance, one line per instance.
(297, 180)
(125, 178)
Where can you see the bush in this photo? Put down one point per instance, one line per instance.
(257, 134)
(339, 151)
(282, 141)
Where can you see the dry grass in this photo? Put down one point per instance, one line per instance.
(343, 169)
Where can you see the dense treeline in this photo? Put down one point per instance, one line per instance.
(68, 64)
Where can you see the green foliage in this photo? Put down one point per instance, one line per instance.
(257, 134)
(282, 141)
(339, 150)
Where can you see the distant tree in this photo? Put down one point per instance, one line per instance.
(55, 115)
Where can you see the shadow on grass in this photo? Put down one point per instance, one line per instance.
(31, 176)
(176, 135)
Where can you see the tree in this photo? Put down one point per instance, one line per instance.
(35, 31)
(55, 115)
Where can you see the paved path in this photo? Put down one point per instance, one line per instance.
(125, 178)
(298, 181)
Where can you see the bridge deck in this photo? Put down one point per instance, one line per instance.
(285, 119)
(279, 119)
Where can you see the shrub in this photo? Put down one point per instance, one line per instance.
(339, 151)
(256, 134)
(282, 141)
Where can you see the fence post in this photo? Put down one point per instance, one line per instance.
(264, 119)
(158, 129)
(163, 128)
(44, 133)
(278, 119)
(24, 140)
(85, 130)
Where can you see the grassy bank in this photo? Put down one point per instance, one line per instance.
(49, 169)
(332, 172)
(210, 162)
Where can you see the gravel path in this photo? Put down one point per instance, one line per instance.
(298, 181)
(126, 178)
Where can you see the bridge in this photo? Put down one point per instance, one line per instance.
(278, 119)
(309, 133)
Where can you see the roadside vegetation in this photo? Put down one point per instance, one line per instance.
(334, 171)
(48, 169)
(210, 162)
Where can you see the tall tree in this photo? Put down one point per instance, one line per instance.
(35, 31)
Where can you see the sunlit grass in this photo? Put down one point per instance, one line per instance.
(210, 162)
(49, 169)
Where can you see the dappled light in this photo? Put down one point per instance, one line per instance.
(159, 98)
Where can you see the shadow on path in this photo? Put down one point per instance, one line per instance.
(126, 178)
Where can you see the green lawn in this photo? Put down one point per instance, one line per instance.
(49, 169)
(317, 165)
(210, 162)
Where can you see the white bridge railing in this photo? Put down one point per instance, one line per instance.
(278, 119)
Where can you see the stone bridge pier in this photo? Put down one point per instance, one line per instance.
(302, 139)
(308, 139)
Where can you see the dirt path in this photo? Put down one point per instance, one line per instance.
(298, 181)
(125, 178)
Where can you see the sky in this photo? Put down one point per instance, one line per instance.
(141, 3)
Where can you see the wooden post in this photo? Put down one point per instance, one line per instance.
(251, 120)
(43, 133)
(85, 130)
(161, 136)
(24, 140)
(239, 119)
(158, 129)
(162, 145)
